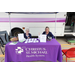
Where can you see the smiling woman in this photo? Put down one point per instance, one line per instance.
(27, 35)
(48, 33)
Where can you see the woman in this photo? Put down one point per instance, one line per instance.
(27, 35)
(48, 33)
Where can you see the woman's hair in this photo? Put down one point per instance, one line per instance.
(27, 29)
(46, 27)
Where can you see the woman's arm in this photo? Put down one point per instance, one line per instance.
(25, 36)
(30, 35)
(52, 35)
(43, 32)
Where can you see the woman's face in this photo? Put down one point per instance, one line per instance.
(47, 30)
(27, 31)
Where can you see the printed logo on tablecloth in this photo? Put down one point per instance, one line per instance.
(32, 52)
(19, 50)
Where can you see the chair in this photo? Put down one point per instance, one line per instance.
(69, 53)
(4, 39)
(2, 56)
(1, 45)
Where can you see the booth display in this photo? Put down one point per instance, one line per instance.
(33, 49)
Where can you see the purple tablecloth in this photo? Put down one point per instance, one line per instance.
(49, 51)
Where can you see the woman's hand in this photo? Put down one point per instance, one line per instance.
(28, 37)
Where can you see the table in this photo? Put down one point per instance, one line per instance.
(25, 52)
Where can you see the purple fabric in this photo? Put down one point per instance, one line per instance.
(49, 51)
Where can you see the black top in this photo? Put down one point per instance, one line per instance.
(49, 34)
(29, 35)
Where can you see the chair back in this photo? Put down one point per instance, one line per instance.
(4, 36)
(71, 52)
(1, 42)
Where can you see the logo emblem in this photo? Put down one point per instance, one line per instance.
(19, 50)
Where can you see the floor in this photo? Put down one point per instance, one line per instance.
(64, 45)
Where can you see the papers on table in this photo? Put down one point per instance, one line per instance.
(33, 40)
(21, 37)
(13, 43)
(42, 38)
